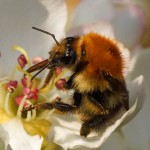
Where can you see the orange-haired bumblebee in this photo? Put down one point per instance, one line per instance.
(100, 90)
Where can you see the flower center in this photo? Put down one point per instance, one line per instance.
(22, 93)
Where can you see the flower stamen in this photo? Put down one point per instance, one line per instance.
(6, 104)
(22, 61)
(33, 114)
(20, 108)
(23, 51)
(29, 116)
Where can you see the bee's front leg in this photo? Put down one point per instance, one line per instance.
(57, 104)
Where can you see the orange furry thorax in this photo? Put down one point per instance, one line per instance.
(102, 54)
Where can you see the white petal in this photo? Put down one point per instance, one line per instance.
(4, 137)
(17, 19)
(2, 145)
(136, 92)
(129, 25)
(14, 134)
(138, 130)
(140, 65)
(103, 27)
(124, 16)
(66, 131)
(88, 12)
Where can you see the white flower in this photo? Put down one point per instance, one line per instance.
(17, 19)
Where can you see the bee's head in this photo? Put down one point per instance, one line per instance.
(64, 54)
(67, 53)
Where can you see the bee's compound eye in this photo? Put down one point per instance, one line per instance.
(69, 57)
(83, 52)
(70, 39)
(68, 51)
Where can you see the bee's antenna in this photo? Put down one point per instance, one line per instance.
(53, 36)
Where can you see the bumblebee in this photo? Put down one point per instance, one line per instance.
(100, 95)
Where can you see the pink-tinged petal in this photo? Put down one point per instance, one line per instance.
(129, 25)
(88, 12)
(37, 60)
(124, 16)
(60, 84)
(22, 61)
(122, 2)
(145, 6)
(19, 99)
